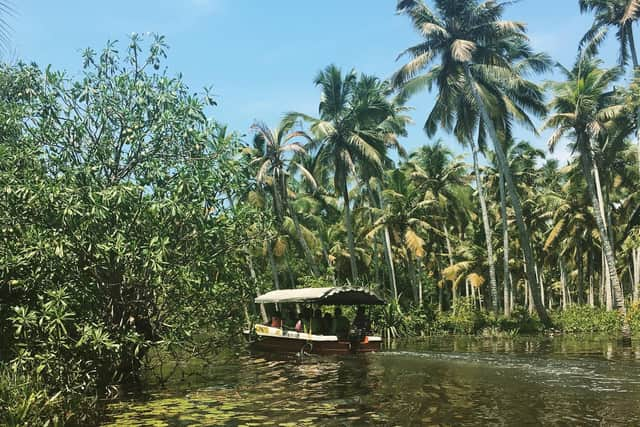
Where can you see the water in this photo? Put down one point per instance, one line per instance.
(445, 380)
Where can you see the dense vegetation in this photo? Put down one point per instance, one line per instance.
(132, 221)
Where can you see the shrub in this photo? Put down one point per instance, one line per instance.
(464, 319)
(584, 318)
(633, 315)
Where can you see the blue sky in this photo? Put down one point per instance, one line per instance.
(261, 56)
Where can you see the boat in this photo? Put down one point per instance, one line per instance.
(280, 340)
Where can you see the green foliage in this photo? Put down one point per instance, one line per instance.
(584, 318)
(389, 321)
(465, 318)
(633, 315)
(114, 211)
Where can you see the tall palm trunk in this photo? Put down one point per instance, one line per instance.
(351, 243)
(274, 268)
(389, 256)
(450, 257)
(386, 242)
(588, 169)
(515, 200)
(487, 230)
(505, 249)
(412, 276)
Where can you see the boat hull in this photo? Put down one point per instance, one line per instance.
(273, 344)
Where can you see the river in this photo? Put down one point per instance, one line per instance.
(562, 380)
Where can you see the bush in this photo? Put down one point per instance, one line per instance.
(633, 315)
(464, 319)
(584, 318)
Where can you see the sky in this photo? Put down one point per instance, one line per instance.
(261, 56)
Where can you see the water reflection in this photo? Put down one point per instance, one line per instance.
(443, 380)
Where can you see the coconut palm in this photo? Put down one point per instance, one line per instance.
(403, 215)
(583, 106)
(480, 82)
(619, 15)
(273, 169)
(352, 129)
(440, 175)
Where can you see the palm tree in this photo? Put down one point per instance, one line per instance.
(618, 14)
(438, 173)
(272, 147)
(404, 216)
(480, 81)
(584, 105)
(352, 130)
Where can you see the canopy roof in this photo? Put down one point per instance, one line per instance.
(322, 296)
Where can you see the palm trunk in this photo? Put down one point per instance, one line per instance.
(420, 290)
(515, 200)
(636, 274)
(387, 249)
(450, 257)
(487, 230)
(580, 261)
(349, 226)
(505, 249)
(563, 282)
(589, 169)
(634, 60)
(392, 270)
(254, 279)
(274, 268)
(303, 243)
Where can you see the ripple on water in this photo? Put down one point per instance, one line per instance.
(588, 382)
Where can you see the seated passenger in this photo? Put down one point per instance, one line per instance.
(361, 321)
(327, 323)
(340, 324)
(317, 326)
(291, 319)
(276, 320)
(305, 320)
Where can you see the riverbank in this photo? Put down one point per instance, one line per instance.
(466, 319)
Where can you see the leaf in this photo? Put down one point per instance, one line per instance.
(414, 242)
(462, 50)
(475, 280)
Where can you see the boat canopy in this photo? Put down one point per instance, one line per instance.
(322, 296)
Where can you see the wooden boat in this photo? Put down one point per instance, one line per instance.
(279, 340)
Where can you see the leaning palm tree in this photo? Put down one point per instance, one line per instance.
(480, 82)
(273, 164)
(351, 130)
(583, 107)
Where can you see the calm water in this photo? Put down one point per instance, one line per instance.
(444, 380)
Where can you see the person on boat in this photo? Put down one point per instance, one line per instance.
(276, 320)
(317, 325)
(291, 319)
(327, 324)
(340, 326)
(361, 321)
(305, 324)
